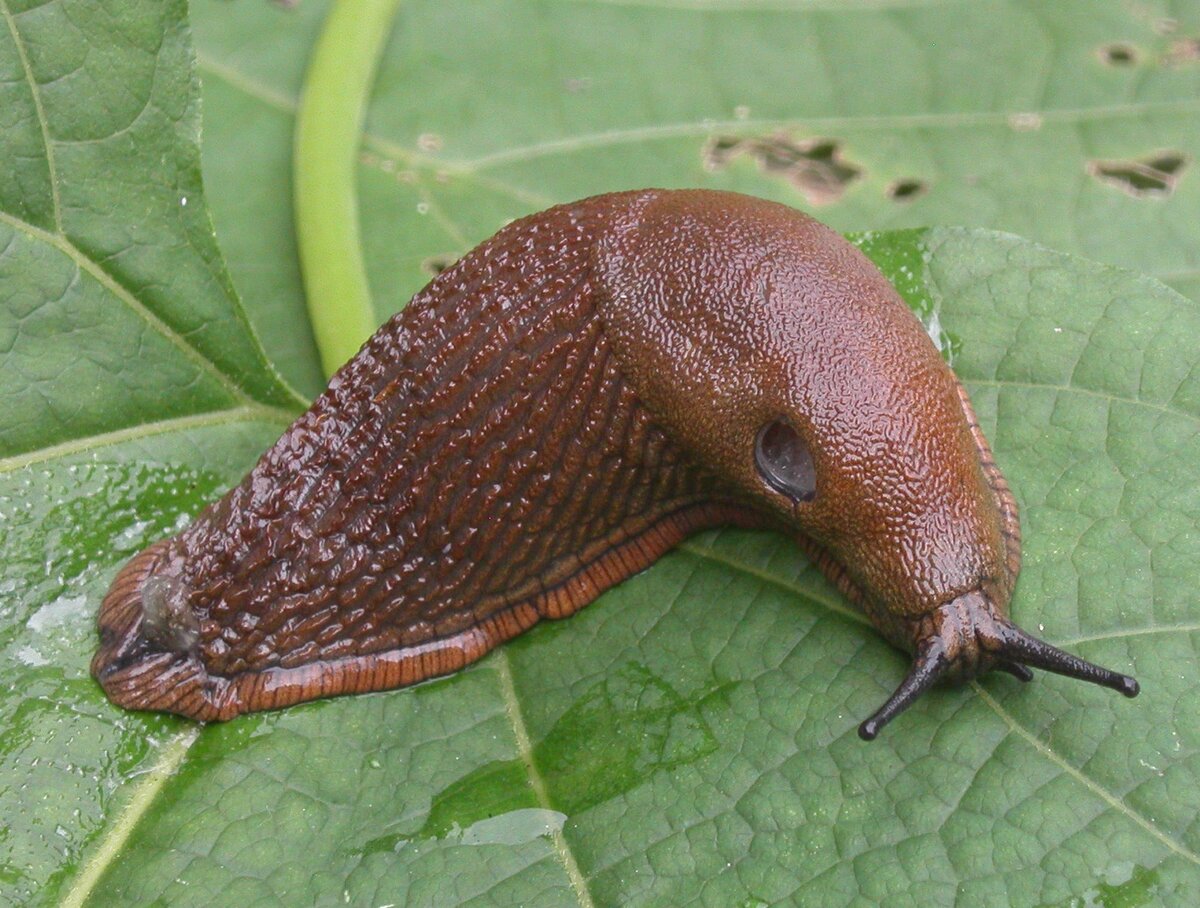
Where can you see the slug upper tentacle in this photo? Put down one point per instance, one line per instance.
(548, 417)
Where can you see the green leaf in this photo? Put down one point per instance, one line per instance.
(104, 234)
(130, 380)
(586, 97)
(690, 736)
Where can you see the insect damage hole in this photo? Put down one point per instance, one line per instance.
(436, 264)
(1154, 176)
(1118, 54)
(817, 167)
(906, 190)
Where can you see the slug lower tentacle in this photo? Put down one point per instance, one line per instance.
(548, 417)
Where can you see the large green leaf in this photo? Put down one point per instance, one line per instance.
(690, 737)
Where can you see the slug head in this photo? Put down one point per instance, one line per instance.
(778, 356)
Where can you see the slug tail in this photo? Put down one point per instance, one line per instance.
(147, 657)
(148, 661)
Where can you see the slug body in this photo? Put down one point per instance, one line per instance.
(552, 414)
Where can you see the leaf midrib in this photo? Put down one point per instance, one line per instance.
(518, 154)
(845, 611)
(1088, 392)
(521, 154)
(113, 840)
(1065, 766)
(516, 720)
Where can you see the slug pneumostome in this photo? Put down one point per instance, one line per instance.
(549, 416)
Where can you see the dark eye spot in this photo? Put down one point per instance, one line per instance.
(785, 462)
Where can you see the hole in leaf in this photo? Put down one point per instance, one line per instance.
(906, 190)
(1153, 176)
(436, 264)
(1118, 54)
(816, 167)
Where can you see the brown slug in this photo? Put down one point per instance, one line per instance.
(549, 416)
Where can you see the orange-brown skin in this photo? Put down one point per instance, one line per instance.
(548, 417)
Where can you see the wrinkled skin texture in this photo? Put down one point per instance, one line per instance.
(550, 415)
(769, 315)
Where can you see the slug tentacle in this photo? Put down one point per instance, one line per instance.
(1027, 649)
(927, 668)
(969, 636)
(549, 416)
(1016, 669)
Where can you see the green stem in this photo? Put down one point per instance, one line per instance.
(329, 125)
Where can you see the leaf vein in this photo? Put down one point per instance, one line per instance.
(1133, 632)
(97, 272)
(1076, 389)
(252, 88)
(36, 93)
(512, 709)
(145, 430)
(1082, 778)
(766, 576)
(883, 122)
(143, 797)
